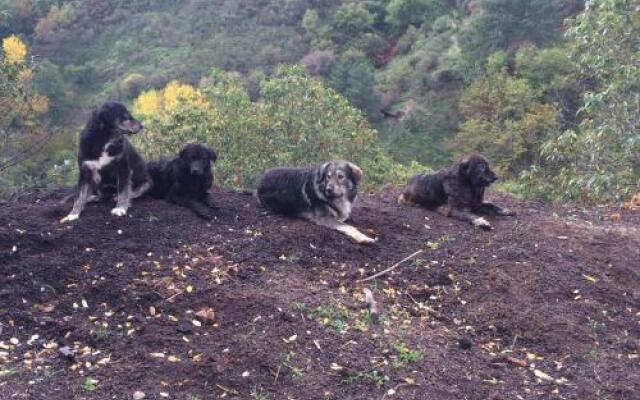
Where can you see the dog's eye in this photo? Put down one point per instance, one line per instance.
(340, 177)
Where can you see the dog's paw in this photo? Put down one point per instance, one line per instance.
(119, 211)
(366, 240)
(69, 218)
(401, 199)
(482, 223)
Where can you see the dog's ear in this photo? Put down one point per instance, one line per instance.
(463, 166)
(212, 155)
(322, 171)
(356, 172)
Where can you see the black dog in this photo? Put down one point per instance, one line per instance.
(185, 180)
(461, 186)
(107, 161)
(324, 195)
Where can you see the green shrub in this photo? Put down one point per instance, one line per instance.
(296, 122)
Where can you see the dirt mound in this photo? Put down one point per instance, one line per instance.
(257, 306)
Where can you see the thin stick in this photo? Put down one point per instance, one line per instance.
(391, 268)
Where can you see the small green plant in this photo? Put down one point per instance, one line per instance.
(102, 333)
(372, 376)
(89, 384)
(440, 241)
(297, 306)
(258, 394)
(334, 316)
(406, 355)
(152, 218)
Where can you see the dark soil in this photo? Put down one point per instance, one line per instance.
(546, 306)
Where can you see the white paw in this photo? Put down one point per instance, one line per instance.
(481, 223)
(366, 240)
(119, 211)
(69, 218)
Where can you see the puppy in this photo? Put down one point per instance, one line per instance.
(461, 186)
(185, 180)
(324, 194)
(107, 161)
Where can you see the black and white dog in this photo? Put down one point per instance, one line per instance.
(107, 161)
(185, 180)
(324, 195)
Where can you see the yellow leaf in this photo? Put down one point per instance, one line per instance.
(590, 278)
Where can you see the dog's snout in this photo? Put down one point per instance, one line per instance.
(330, 189)
(197, 168)
(131, 126)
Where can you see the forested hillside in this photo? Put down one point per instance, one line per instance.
(539, 86)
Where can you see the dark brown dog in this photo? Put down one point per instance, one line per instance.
(461, 186)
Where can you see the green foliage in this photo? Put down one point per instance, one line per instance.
(506, 24)
(22, 111)
(353, 76)
(296, 121)
(600, 160)
(49, 80)
(349, 21)
(403, 13)
(505, 119)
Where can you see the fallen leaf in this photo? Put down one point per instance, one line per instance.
(207, 314)
(542, 375)
(336, 367)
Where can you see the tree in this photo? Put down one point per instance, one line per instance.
(21, 110)
(353, 76)
(403, 13)
(507, 24)
(350, 21)
(14, 49)
(600, 160)
(505, 119)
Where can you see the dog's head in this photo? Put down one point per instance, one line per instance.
(476, 169)
(336, 179)
(116, 119)
(198, 158)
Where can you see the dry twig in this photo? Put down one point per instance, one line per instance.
(391, 268)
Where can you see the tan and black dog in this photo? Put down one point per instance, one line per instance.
(324, 194)
(461, 187)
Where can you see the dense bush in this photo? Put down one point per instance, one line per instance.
(296, 121)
